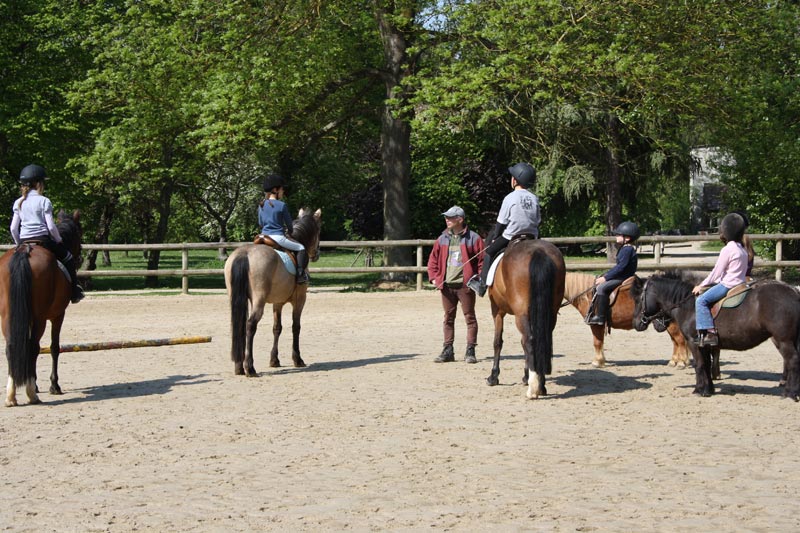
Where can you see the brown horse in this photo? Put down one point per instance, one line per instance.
(256, 274)
(33, 290)
(529, 284)
(578, 293)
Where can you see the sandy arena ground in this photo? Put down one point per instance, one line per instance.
(373, 436)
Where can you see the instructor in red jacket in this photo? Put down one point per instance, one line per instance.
(455, 258)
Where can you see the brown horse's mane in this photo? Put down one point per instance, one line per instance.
(577, 283)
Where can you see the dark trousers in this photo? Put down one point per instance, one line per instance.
(451, 296)
(607, 287)
(497, 246)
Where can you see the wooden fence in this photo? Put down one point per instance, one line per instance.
(657, 259)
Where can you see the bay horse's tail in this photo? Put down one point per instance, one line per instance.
(540, 312)
(240, 288)
(21, 359)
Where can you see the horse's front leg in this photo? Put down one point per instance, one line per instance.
(702, 369)
(598, 332)
(680, 351)
(55, 350)
(277, 328)
(791, 369)
(297, 311)
(493, 378)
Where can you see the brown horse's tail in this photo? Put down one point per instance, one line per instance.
(540, 312)
(19, 346)
(240, 288)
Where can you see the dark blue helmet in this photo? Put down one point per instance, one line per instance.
(32, 174)
(524, 174)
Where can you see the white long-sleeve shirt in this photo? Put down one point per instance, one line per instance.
(33, 218)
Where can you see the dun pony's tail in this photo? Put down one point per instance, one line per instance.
(240, 288)
(19, 349)
(540, 312)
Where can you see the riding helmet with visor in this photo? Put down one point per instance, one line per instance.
(32, 174)
(273, 181)
(732, 227)
(627, 229)
(524, 174)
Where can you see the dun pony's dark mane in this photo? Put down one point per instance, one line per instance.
(305, 227)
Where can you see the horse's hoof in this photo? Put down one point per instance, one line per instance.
(55, 390)
(492, 381)
(238, 371)
(598, 364)
(35, 401)
(299, 364)
(680, 366)
(11, 404)
(672, 363)
(274, 363)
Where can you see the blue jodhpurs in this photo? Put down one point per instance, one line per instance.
(703, 304)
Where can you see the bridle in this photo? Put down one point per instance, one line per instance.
(662, 317)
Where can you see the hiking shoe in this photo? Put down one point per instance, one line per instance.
(477, 285)
(470, 355)
(710, 339)
(447, 355)
(303, 277)
(596, 320)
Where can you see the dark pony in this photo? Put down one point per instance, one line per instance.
(255, 276)
(578, 293)
(34, 290)
(771, 309)
(529, 284)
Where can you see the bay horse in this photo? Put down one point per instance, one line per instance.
(578, 293)
(34, 290)
(255, 275)
(771, 309)
(529, 284)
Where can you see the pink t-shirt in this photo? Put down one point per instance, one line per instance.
(731, 266)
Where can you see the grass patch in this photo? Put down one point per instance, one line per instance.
(208, 259)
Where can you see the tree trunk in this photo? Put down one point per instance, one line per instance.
(101, 237)
(395, 140)
(613, 181)
(164, 210)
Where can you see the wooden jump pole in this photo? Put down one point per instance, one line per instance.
(115, 345)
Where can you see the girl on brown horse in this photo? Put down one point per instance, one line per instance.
(276, 223)
(627, 261)
(32, 222)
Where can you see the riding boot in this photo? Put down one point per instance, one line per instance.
(302, 267)
(77, 290)
(600, 309)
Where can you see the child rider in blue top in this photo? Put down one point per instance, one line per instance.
(627, 261)
(276, 222)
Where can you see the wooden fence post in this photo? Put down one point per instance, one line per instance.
(185, 267)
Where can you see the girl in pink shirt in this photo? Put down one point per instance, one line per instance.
(729, 271)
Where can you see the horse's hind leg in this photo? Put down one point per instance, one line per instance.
(704, 386)
(598, 334)
(55, 349)
(252, 327)
(791, 368)
(11, 393)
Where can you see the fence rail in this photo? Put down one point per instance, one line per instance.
(657, 262)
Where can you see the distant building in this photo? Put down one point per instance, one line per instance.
(705, 188)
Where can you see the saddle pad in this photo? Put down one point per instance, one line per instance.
(64, 271)
(287, 262)
(734, 298)
(493, 269)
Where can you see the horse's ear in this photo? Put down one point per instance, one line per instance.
(318, 214)
(76, 216)
(301, 213)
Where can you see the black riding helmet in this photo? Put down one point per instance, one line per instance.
(732, 227)
(32, 174)
(273, 181)
(524, 174)
(627, 229)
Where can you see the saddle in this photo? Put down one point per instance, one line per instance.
(27, 247)
(493, 268)
(266, 239)
(734, 298)
(626, 285)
